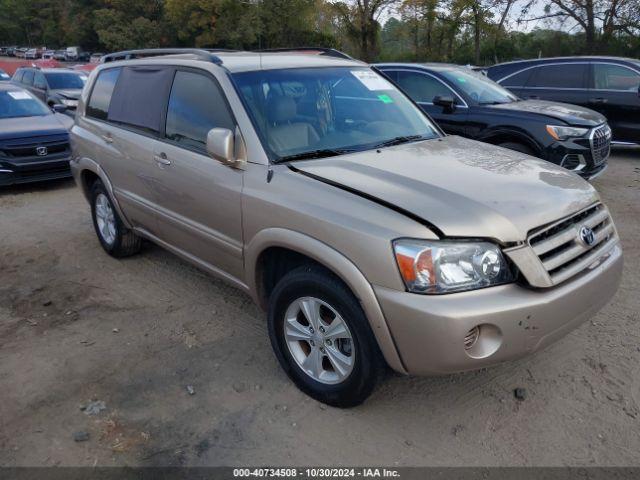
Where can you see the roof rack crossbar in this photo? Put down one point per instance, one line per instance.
(154, 52)
(328, 52)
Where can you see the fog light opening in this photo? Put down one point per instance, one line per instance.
(482, 341)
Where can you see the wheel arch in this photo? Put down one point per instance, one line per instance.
(302, 247)
(503, 135)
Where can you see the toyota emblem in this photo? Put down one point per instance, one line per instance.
(587, 236)
(42, 151)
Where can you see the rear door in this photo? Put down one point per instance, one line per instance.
(615, 92)
(198, 198)
(422, 88)
(558, 82)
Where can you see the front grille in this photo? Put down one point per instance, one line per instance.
(562, 251)
(27, 147)
(600, 144)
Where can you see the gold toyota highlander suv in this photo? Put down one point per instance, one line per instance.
(313, 184)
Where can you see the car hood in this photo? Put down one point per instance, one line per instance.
(570, 114)
(71, 93)
(22, 127)
(462, 187)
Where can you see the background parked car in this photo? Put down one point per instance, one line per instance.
(467, 103)
(609, 85)
(60, 55)
(4, 76)
(48, 55)
(52, 85)
(20, 52)
(95, 57)
(76, 54)
(34, 140)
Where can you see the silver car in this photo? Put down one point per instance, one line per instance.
(369, 237)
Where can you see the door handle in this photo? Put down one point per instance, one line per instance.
(598, 101)
(162, 159)
(107, 138)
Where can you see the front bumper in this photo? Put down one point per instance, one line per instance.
(429, 331)
(12, 173)
(584, 156)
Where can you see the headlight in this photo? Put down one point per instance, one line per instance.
(562, 133)
(435, 267)
(69, 102)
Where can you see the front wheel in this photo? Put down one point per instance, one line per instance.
(322, 338)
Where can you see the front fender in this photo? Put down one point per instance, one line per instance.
(339, 265)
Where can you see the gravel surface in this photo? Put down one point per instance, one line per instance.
(139, 336)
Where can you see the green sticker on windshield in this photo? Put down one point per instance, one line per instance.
(385, 98)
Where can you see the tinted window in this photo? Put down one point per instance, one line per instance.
(98, 106)
(569, 75)
(27, 79)
(615, 77)
(140, 97)
(196, 105)
(39, 81)
(518, 80)
(17, 77)
(421, 87)
(70, 80)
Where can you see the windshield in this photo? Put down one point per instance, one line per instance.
(479, 88)
(60, 80)
(18, 103)
(308, 113)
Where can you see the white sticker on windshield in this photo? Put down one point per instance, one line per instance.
(372, 80)
(20, 95)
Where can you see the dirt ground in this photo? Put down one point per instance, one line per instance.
(77, 325)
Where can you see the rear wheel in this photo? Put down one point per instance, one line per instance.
(322, 338)
(116, 239)
(518, 147)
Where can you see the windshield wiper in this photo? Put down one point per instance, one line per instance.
(399, 140)
(321, 153)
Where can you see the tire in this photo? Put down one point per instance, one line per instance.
(518, 147)
(117, 241)
(313, 286)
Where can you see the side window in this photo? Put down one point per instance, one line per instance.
(140, 97)
(17, 77)
(27, 79)
(421, 87)
(196, 105)
(39, 81)
(568, 75)
(98, 106)
(615, 77)
(520, 79)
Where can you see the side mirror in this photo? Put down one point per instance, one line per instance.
(446, 102)
(59, 108)
(221, 146)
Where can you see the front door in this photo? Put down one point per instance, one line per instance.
(422, 88)
(198, 198)
(615, 92)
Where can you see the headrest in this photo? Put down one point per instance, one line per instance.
(281, 109)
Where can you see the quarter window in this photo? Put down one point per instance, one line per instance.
(615, 77)
(422, 88)
(518, 80)
(17, 77)
(27, 79)
(566, 75)
(98, 106)
(196, 105)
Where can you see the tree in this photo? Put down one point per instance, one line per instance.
(360, 19)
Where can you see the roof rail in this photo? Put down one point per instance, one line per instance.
(154, 52)
(328, 52)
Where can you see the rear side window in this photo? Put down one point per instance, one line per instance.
(98, 106)
(567, 75)
(140, 97)
(421, 87)
(196, 105)
(615, 77)
(520, 79)
(27, 79)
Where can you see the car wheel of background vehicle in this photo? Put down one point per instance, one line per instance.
(322, 338)
(518, 147)
(116, 239)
